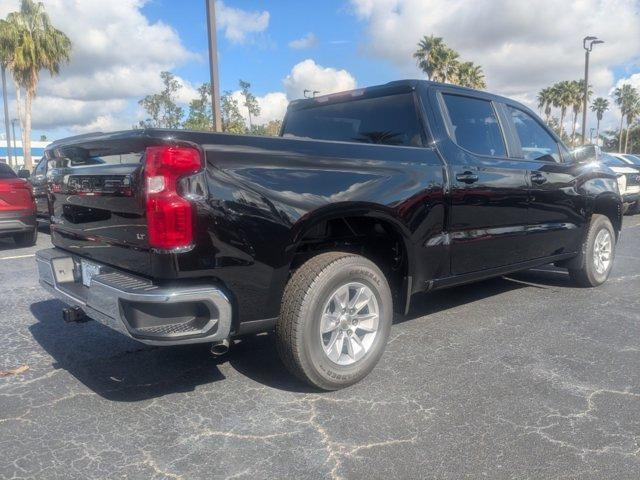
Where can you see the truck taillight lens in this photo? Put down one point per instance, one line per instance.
(169, 216)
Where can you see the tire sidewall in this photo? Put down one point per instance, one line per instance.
(313, 358)
(599, 224)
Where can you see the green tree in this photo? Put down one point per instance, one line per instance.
(469, 75)
(162, 108)
(273, 128)
(562, 99)
(428, 49)
(200, 115)
(250, 101)
(545, 102)
(576, 92)
(232, 120)
(625, 96)
(29, 43)
(633, 112)
(599, 106)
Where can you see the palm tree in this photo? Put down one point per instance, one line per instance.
(576, 89)
(624, 96)
(562, 99)
(470, 75)
(545, 102)
(633, 111)
(599, 106)
(428, 48)
(29, 43)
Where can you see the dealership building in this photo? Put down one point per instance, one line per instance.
(37, 150)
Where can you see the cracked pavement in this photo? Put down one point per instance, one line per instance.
(517, 377)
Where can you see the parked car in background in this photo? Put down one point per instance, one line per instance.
(628, 181)
(39, 182)
(17, 208)
(370, 196)
(629, 158)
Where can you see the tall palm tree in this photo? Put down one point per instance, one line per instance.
(428, 48)
(545, 102)
(633, 112)
(470, 75)
(30, 43)
(624, 96)
(562, 99)
(576, 89)
(444, 64)
(599, 106)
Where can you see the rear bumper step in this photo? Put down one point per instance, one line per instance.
(152, 314)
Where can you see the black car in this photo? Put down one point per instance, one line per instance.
(368, 197)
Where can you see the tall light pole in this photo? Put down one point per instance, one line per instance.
(587, 44)
(6, 113)
(213, 64)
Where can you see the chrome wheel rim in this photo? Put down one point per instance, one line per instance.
(602, 251)
(349, 323)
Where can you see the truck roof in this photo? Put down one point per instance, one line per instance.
(390, 88)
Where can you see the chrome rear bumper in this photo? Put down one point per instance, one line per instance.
(152, 314)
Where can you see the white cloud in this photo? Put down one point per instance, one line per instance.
(522, 46)
(308, 41)
(307, 75)
(117, 58)
(273, 106)
(238, 24)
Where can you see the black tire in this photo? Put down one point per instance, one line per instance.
(26, 239)
(298, 337)
(587, 275)
(634, 209)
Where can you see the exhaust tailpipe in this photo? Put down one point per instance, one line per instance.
(74, 315)
(220, 348)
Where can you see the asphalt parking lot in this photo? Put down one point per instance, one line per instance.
(518, 377)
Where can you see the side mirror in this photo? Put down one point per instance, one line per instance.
(24, 174)
(586, 153)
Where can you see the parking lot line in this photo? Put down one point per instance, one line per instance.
(18, 256)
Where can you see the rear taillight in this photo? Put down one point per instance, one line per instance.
(169, 216)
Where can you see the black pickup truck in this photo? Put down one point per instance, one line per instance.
(366, 198)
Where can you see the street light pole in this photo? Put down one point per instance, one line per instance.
(213, 64)
(591, 41)
(6, 113)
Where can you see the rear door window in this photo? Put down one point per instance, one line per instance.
(474, 125)
(6, 171)
(537, 144)
(388, 120)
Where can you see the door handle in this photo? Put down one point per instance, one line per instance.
(538, 178)
(467, 177)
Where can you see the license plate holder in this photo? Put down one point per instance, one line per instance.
(89, 270)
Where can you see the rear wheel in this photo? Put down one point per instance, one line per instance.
(335, 320)
(598, 254)
(26, 239)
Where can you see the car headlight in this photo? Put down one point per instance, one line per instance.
(622, 184)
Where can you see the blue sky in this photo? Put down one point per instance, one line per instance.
(266, 58)
(121, 46)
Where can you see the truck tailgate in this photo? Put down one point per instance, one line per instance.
(98, 201)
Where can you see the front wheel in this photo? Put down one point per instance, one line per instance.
(598, 254)
(335, 320)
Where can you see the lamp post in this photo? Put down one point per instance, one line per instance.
(587, 44)
(213, 64)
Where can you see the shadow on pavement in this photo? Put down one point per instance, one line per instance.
(119, 368)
